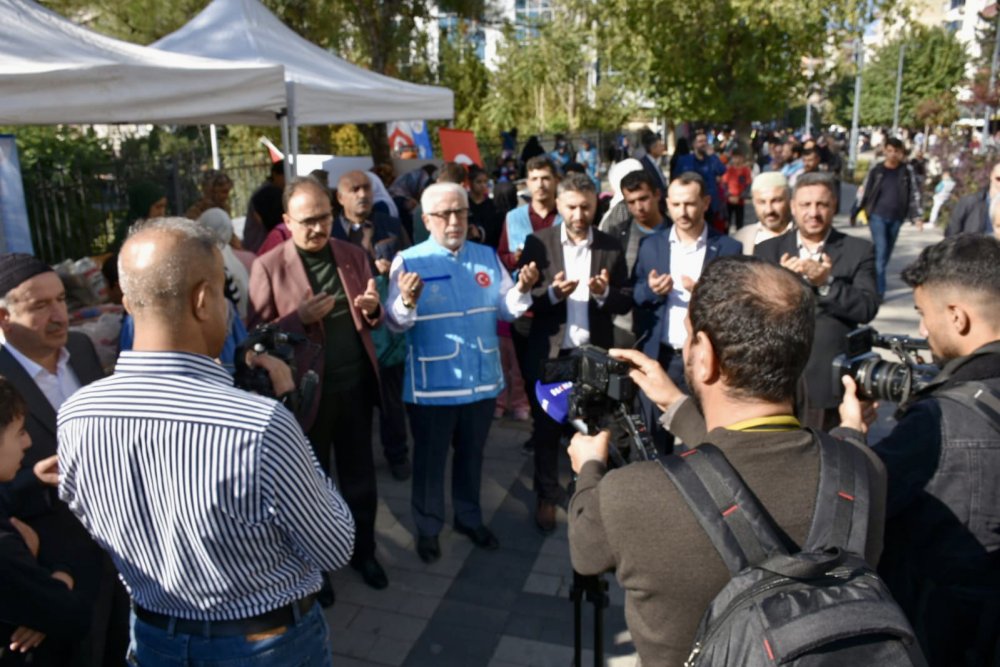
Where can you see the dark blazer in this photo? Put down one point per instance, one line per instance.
(385, 226)
(278, 284)
(544, 248)
(851, 301)
(652, 314)
(970, 214)
(25, 496)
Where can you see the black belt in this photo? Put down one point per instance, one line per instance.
(269, 620)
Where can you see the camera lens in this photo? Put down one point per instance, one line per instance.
(882, 380)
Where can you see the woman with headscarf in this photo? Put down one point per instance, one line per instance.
(145, 201)
(220, 225)
(617, 210)
(383, 200)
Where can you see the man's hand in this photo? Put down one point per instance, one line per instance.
(561, 287)
(649, 375)
(792, 263)
(277, 370)
(855, 413)
(583, 448)
(527, 277)
(660, 284)
(47, 470)
(599, 284)
(817, 273)
(368, 302)
(315, 307)
(410, 287)
(28, 534)
(688, 283)
(24, 639)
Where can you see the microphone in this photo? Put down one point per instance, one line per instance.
(554, 399)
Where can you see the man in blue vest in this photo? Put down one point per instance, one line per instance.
(447, 294)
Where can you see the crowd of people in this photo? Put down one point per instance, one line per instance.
(434, 298)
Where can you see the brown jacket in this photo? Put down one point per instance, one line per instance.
(634, 520)
(278, 284)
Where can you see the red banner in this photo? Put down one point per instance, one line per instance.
(460, 146)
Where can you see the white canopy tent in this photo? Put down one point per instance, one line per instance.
(321, 88)
(54, 71)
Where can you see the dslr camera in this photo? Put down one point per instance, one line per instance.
(601, 397)
(270, 339)
(878, 379)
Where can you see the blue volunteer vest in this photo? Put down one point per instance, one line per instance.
(519, 227)
(453, 354)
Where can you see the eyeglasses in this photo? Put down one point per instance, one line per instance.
(317, 221)
(445, 216)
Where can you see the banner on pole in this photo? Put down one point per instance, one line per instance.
(412, 134)
(15, 234)
(459, 146)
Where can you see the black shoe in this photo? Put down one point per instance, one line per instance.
(481, 536)
(326, 597)
(545, 516)
(428, 548)
(372, 573)
(401, 471)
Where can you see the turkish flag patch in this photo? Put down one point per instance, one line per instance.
(483, 279)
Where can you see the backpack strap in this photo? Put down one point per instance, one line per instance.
(740, 529)
(843, 499)
(977, 397)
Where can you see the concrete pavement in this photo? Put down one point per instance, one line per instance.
(510, 607)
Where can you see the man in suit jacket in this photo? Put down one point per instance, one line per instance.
(583, 283)
(46, 364)
(670, 263)
(841, 271)
(359, 223)
(972, 212)
(323, 289)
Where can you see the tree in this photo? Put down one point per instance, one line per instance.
(933, 69)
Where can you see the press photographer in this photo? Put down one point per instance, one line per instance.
(750, 328)
(942, 544)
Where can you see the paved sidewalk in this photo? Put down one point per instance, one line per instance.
(507, 608)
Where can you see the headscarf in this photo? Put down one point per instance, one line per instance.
(218, 222)
(380, 194)
(617, 172)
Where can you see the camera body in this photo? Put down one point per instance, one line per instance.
(601, 398)
(271, 339)
(876, 378)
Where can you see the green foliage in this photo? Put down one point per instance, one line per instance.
(58, 148)
(933, 68)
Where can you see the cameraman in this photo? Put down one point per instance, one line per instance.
(942, 544)
(750, 328)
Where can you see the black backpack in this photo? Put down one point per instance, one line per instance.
(822, 606)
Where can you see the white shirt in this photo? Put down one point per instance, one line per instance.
(57, 387)
(765, 234)
(686, 259)
(576, 259)
(399, 318)
(806, 253)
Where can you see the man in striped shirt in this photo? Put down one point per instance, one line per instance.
(208, 499)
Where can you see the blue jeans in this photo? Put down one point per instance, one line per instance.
(305, 643)
(884, 233)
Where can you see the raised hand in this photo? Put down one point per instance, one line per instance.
(368, 302)
(315, 307)
(410, 287)
(661, 284)
(599, 284)
(527, 277)
(562, 287)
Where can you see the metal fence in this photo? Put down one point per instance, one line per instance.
(73, 214)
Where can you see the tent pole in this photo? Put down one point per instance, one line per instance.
(284, 145)
(294, 131)
(213, 135)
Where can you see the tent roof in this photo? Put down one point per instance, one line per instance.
(323, 88)
(54, 71)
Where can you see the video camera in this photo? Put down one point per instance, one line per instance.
(592, 391)
(270, 339)
(876, 378)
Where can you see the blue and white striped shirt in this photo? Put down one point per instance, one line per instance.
(208, 498)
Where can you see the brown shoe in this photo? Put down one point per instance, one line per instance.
(545, 516)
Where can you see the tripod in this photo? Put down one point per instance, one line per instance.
(595, 590)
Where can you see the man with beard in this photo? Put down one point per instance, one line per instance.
(840, 270)
(709, 167)
(582, 284)
(771, 198)
(635, 521)
(670, 264)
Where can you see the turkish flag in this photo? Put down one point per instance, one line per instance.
(460, 146)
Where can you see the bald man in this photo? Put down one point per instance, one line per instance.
(208, 498)
(359, 222)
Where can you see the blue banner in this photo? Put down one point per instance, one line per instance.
(405, 133)
(15, 235)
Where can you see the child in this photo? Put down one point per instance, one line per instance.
(41, 616)
(736, 180)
